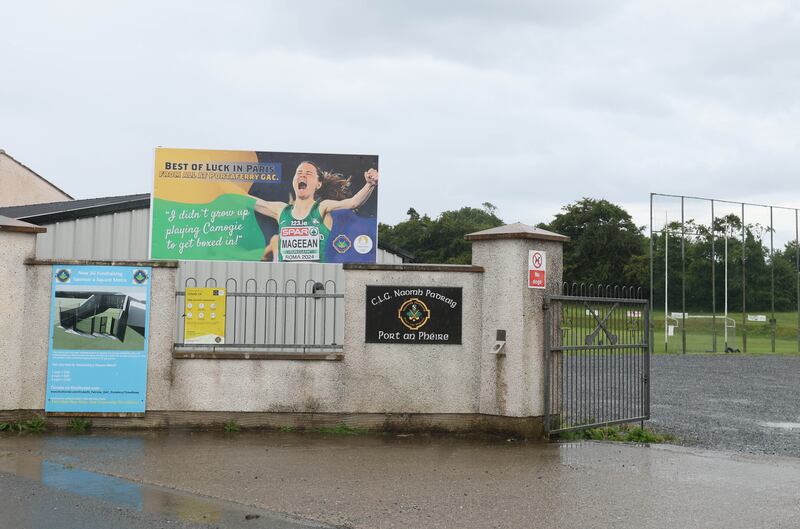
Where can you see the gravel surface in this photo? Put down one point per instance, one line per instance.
(729, 402)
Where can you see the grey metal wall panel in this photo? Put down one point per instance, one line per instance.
(384, 257)
(122, 235)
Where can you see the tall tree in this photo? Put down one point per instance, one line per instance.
(605, 244)
(440, 240)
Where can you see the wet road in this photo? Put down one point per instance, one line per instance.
(436, 482)
(729, 402)
(27, 504)
(37, 493)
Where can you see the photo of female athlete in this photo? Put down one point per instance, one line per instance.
(304, 224)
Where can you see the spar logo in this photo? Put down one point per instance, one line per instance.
(300, 231)
(63, 275)
(414, 314)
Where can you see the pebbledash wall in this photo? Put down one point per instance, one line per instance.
(391, 386)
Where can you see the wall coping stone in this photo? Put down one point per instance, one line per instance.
(101, 262)
(19, 226)
(517, 230)
(414, 267)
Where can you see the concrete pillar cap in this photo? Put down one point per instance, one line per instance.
(9, 224)
(517, 230)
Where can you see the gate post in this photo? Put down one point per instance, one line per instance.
(18, 241)
(512, 383)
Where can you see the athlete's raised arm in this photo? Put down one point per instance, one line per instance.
(270, 209)
(371, 176)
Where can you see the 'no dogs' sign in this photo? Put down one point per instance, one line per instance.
(537, 269)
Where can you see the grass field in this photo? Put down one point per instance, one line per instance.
(700, 334)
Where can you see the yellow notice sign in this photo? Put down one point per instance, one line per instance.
(204, 316)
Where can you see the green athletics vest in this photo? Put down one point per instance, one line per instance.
(304, 239)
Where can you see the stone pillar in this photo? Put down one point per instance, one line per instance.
(18, 243)
(512, 383)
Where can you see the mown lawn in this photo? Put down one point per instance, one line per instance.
(700, 334)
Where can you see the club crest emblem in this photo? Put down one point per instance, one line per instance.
(341, 243)
(63, 275)
(414, 314)
(140, 277)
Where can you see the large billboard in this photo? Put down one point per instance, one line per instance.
(97, 360)
(214, 205)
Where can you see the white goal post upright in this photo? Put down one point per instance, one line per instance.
(726, 287)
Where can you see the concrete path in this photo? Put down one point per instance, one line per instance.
(436, 482)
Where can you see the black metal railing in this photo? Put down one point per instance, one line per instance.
(599, 290)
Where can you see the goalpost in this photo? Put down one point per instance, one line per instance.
(675, 326)
(730, 323)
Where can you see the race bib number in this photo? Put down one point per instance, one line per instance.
(300, 243)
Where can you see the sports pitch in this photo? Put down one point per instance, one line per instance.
(700, 334)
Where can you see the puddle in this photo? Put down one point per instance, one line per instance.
(151, 499)
(782, 425)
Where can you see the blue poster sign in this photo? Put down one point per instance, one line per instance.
(99, 321)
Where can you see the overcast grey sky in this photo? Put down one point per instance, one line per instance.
(528, 105)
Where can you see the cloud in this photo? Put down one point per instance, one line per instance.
(528, 105)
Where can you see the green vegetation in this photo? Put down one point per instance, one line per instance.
(440, 240)
(341, 430)
(231, 427)
(286, 429)
(605, 245)
(79, 425)
(7, 426)
(35, 424)
(624, 433)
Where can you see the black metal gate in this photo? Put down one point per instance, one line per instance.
(597, 358)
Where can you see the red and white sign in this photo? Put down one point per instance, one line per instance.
(537, 269)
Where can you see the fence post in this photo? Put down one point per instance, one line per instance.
(513, 383)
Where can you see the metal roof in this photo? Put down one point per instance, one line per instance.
(76, 209)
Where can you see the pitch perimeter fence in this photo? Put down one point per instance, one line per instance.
(724, 275)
